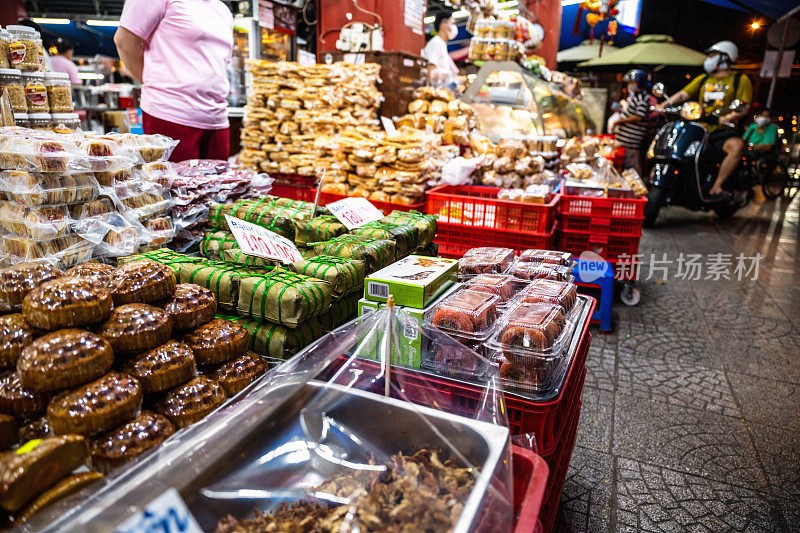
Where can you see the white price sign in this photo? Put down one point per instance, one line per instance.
(261, 242)
(167, 513)
(355, 212)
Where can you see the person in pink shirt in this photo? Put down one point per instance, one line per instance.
(62, 62)
(179, 50)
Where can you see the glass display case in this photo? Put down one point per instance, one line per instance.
(510, 102)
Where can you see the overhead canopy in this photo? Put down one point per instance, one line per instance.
(586, 50)
(650, 50)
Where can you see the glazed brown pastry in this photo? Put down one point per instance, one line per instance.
(9, 432)
(191, 306)
(62, 489)
(38, 428)
(134, 328)
(96, 407)
(162, 368)
(35, 467)
(119, 446)
(18, 280)
(142, 281)
(97, 272)
(66, 303)
(17, 400)
(217, 341)
(15, 334)
(64, 359)
(191, 402)
(238, 373)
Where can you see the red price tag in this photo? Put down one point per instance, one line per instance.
(355, 212)
(261, 242)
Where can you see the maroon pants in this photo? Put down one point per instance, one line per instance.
(195, 143)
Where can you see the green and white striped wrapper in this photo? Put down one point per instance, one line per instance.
(285, 298)
(426, 225)
(344, 275)
(272, 340)
(223, 279)
(342, 311)
(405, 237)
(317, 229)
(238, 257)
(215, 242)
(376, 253)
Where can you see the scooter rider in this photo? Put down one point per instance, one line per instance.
(715, 91)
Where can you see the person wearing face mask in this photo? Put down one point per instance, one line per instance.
(631, 129)
(716, 90)
(762, 135)
(443, 68)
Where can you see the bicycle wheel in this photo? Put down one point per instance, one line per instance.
(774, 181)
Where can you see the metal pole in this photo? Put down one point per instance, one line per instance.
(777, 65)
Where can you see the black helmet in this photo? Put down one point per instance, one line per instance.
(639, 77)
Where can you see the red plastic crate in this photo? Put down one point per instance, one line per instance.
(325, 198)
(530, 483)
(478, 207)
(623, 227)
(295, 179)
(454, 240)
(602, 207)
(558, 464)
(609, 247)
(293, 192)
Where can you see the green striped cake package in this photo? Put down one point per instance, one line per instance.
(425, 224)
(317, 229)
(344, 275)
(271, 340)
(342, 311)
(376, 253)
(405, 237)
(238, 257)
(267, 212)
(215, 242)
(285, 298)
(223, 279)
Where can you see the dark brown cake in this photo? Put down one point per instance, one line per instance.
(97, 272)
(96, 407)
(134, 328)
(191, 402)
(9, 432)
(238, 373)
(18, 280)
(217, 341)
(66, 303)
(37, 428)
(142, 281)
(191, 306)
(15, 334)
(64, 359)
(162, 368)
(69, 485)
(130, 440)
(16, 400)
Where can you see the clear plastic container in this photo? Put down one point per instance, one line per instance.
(466, 313)
(5, 61)
(21, 120)
(40, 121)
(503, 285)
(64, 252)
(23, 48)
(485, 260)
(35, 92)
(11, 80)
(35, 189)
(65, 122)
(531, 271)
(59, 92)
(550, 257)
(561, 293)
(539, 375)
(529, 330)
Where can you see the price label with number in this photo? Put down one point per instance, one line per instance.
(261, 242)
(355, 212)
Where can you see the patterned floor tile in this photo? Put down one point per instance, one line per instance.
(780, 455)
(586, 499)
(687, 345)
(594, 431)
(766, 401)
(601, 362)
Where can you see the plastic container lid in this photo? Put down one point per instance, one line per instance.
(64, 116)
(20, 116)
(525, 270)
(10, 72)
(551, 257)
(466, 313)
(531, 330)
(35, 74)
(21, 29)
(485, 260)
(562, 293)
(39, 116)
(503, 285)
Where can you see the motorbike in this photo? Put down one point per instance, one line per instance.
(683, 166)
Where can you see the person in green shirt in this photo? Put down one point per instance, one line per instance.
(762, 135)
(716, 90)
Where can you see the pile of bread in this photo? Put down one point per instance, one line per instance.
(290, 105)
(437, 111)
(510, 164)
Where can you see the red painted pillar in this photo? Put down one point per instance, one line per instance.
(549, 12)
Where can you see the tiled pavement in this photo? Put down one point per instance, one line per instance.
(691, 409)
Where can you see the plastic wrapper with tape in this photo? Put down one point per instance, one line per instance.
(335, 436)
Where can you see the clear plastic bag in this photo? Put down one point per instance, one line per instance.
(530, 271)
(40, 151)
(550, 257)
(36, 189)
(64, 252)
(112, 234)
(39, 223)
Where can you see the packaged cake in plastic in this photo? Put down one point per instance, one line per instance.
(530, 330)
(530, 271)
(486, 260)
(39, 151)
(39, 223)
(64, 252)
(467, 313)
(35, 189)
(105, 155)
(148, 147)
(549, 257)
(503, 285)
(112, 234)
(561, 293)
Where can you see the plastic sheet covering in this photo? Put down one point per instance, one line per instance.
(333, 435)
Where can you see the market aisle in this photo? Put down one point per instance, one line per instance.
(691, 410)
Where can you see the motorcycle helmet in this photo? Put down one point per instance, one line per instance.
(727, 48)
(639, 77)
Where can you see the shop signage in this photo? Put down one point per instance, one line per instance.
(355, 212)
(261, 242)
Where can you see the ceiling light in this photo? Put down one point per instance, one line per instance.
(461, 14)
(50, 21)
(102, 22)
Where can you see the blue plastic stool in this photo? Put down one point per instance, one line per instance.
(597, 274)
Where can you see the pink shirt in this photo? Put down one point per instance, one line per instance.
(188, 44)
(62, 64)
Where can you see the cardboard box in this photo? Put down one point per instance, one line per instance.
(413, 281)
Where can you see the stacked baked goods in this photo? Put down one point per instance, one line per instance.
(514, 163)
(289, 105)
(114, 358)
(438, 111)
(69, 197)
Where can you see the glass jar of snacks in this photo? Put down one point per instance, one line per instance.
(505, 29)
(40, 121)
(484, 28)
(35, 92)
(477, 48)
(59, 92)
(65, 122)
(4, 60)
(21, 120)
(11, 80)
(23, 48)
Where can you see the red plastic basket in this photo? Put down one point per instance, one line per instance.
(602, 207)
(609, 247)
(295, 179)
(454, 240)
(530, 483)
(293, 192)
(478, 207)
(623, 227)
(325, 198)
(558, 464)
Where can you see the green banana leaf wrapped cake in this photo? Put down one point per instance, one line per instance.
(405, 237)
(344, 275)
(238, 257)
(215, 242)
(275, 214)
(272, 340)
(285, 298)
(425, 225)
(165, 256)
(376, 253)
(317, 229)
(341, 312)
(223, 279)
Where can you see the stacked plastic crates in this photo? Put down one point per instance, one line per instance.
(473, 216)
(294, 186)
